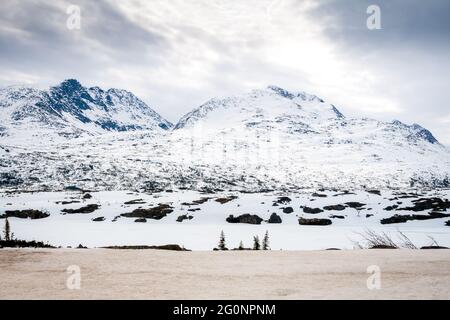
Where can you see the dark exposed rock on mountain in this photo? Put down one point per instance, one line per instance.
(225, 199)
(337, 207)
(196, 202)
(135, 201)
(427, 204)
(156, 213)
(288, 210)
(86, 209)
(24, 214)
(404, 218)
(314, 222)
(319, 195)
(355, 205)
(184, 217)
(337, 217)
(245, 218)
(312, 210)
(274, 218)
(283, 200)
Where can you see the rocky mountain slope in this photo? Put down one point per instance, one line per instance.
(268, 139)
(71, 110)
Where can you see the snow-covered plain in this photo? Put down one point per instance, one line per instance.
(257, 146)
(203, 230)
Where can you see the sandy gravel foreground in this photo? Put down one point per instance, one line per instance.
(154, 274)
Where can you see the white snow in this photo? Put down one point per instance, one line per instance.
(202, 232)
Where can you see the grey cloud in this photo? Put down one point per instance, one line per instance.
(46, 46)
(412, 22)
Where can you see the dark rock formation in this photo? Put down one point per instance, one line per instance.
(404, 218)
(87, 209)
(319, 195)
(25, 214)
(314, 222)
(135, 201)
(312, 210)
(274, 218)
(337, 217)
(288, 210)
(196, 202)
(337, 207)
(283, 200)
(225, 199)
(355, 205)
(423, 204)
(184, 217)
(245, 218)
(156, 213)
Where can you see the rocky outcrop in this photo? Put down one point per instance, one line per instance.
(245, 218)
(274, 218)
(404, 218)
(87, 209)
(25, 214)
(337, 207)
(355, 205)
(314, 222)
(135, 201)
(288, 210)
(184, 217)
(312, 210)
(423, 204)
(156, 213)
(225, 199)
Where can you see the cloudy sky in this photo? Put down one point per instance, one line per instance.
(176, 54)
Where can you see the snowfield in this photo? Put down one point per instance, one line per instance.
(202, 231)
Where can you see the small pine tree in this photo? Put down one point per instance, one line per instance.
(241, 246)
(265, 243)
(222, 245)
(256, 244)
(7, 231)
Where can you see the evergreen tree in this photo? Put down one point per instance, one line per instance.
(7, 231)
(265, 243)
(256, 244)
(222, 245)
(241, 246)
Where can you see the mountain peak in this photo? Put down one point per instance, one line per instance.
(280, 91)
(70, 85)
(71, 109)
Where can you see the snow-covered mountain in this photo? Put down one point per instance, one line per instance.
(298, 139)
(299, 114)
(71, 110)
(268, 139)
